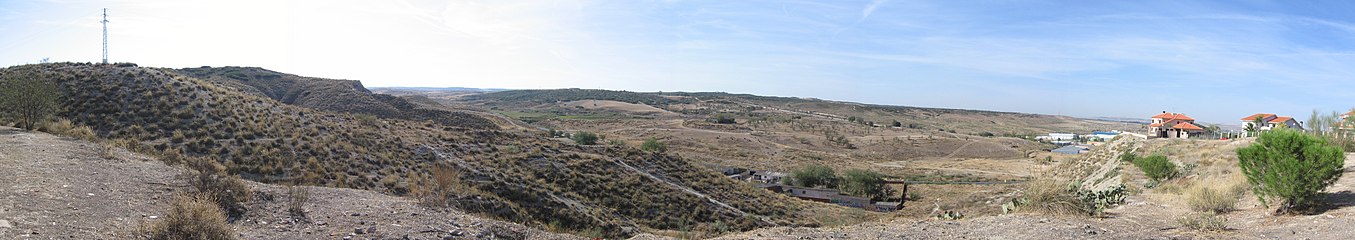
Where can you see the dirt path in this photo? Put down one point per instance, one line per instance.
(59, 188)
(957, 150)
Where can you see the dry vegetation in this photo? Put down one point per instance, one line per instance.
(783, 134)
(516, 175)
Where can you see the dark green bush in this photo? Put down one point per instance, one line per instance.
(1292, 166)
(1157, 167)
(653, 145)
(585, 138)
(814, 176)
(864, 183)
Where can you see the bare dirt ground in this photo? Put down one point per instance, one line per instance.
(60, 188)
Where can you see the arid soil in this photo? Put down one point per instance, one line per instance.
(1152, 214)
(61, 188)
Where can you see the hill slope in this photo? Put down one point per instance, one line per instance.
(512, 175)
(330, 95)
(51, 179)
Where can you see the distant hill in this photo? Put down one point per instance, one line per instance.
(330, 95)
(280, 128)
(973, 122)
(446, 89)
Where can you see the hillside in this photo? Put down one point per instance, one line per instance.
(331, 95)
(784, 134)
(64, 188)
(513, 175)
(973, 122)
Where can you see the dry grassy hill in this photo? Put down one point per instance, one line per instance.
(783, 134)
(512, 175)
(332, 95)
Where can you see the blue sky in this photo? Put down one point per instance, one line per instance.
(1217, 61)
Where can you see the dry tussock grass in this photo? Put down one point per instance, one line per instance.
(190, 216)
(1051, 197)
(1217, 195)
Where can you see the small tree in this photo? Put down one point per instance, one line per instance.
(585, 138)
(896, 124)
(30, 100)
(653, 145)
(724, 119)
(814, 176)
(863, 183)
(1290, 165)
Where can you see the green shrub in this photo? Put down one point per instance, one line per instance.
(1290, 165)
(189, 217)
(814, 175)
(585, 138)
(864, 183)
(28, 97)
(653, 145)
(1157, 167)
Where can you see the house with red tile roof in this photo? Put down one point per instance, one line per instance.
(1173, 125)
(1270, 121)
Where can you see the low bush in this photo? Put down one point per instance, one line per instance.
(58, 126)
(585, 138)
(212, 180)
(1157, 167)
(653, 145)
(189, 217)
(296, 202)
(1208, 199)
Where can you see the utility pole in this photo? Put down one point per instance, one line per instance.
(105, 22)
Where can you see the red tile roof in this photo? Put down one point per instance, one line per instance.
(1187, 126)
(1155, 125)
(1281, 119)
(1260, 115)
(1170, 116)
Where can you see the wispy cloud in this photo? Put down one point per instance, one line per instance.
(874, 4)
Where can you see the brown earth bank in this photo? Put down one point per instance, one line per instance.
(62, 188)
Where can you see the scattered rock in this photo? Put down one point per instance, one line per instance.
(371, 229)
(5, 224)
(359, 230)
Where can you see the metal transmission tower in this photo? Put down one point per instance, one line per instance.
(105, 22)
